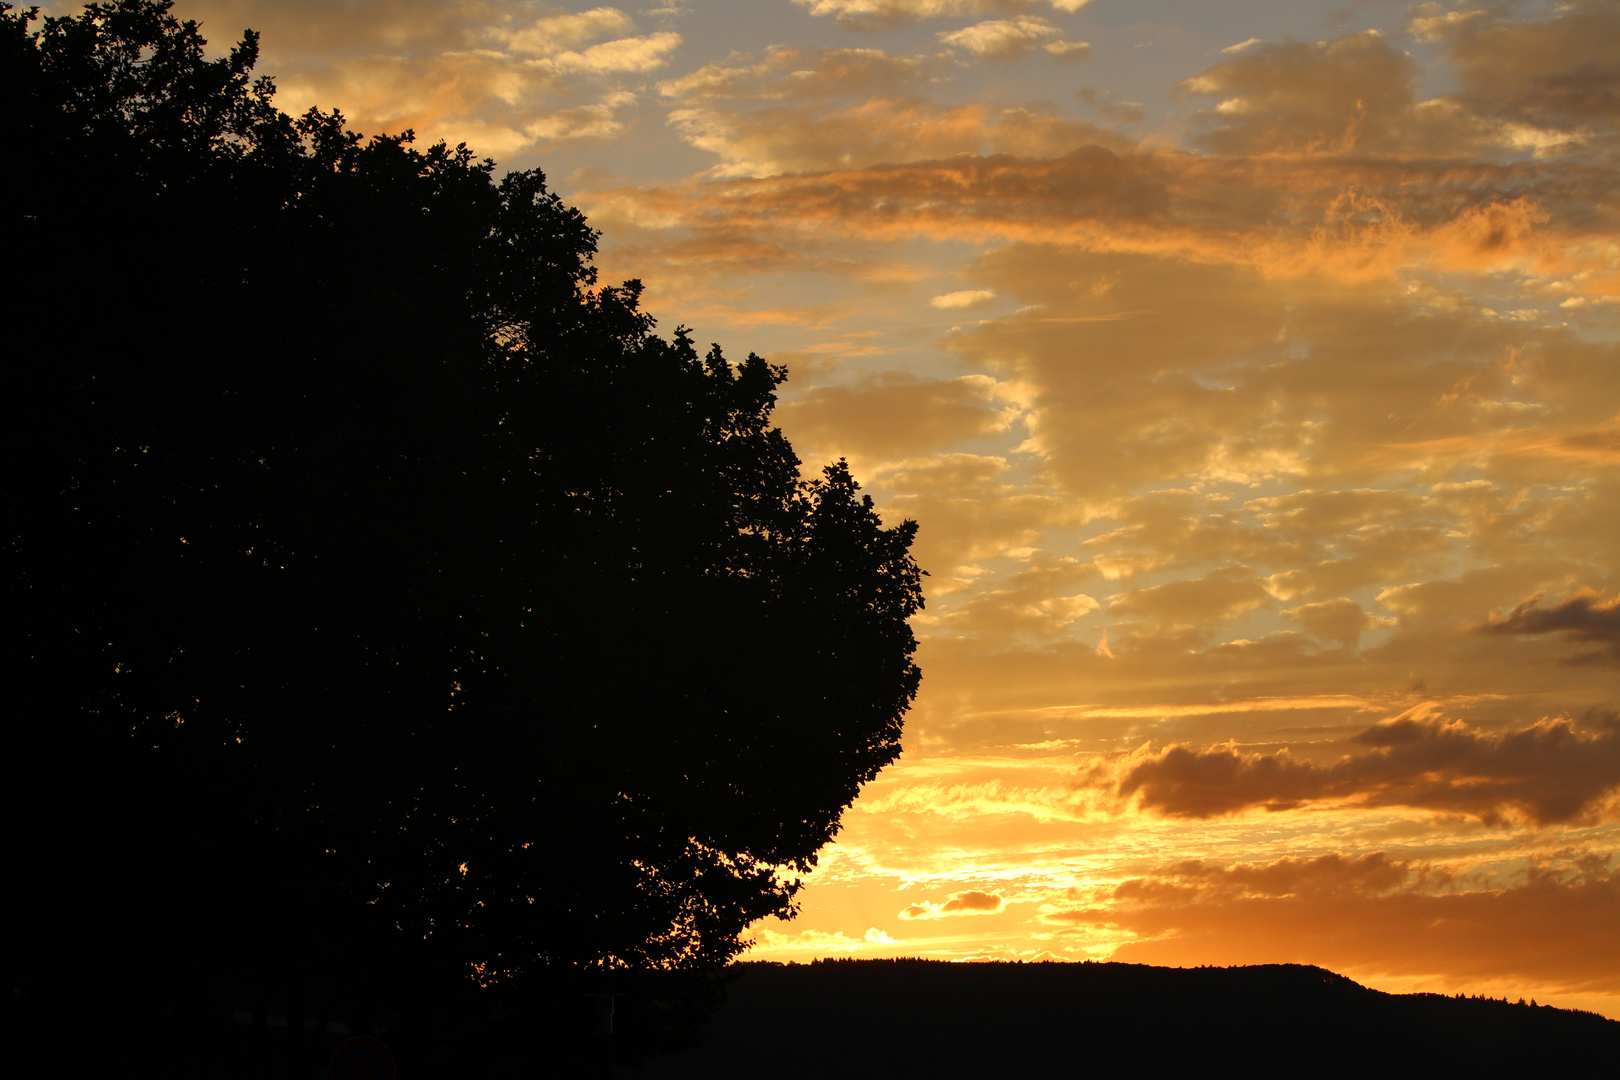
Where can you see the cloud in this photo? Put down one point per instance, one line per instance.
(895, 416)
(1548, 772)
(972, 902)
(549, 35)
(1074, 187)
(998, 797)
(807, 110)
(456, 97)
(1372, 872)
(1584, 617)
(1553, 927)
(1357, 95)
(308, 28)
(761, 937)
(1216, 598)
(1076, 50)
(891, 12)
(585, 122)
(1010, 39)
(797, 73)
(1426, 606)
(1041, 599)
(975, 508)
(636, 55)
(302, 31)
(962, 299)
(494, 74)
(1347, 511)
(800, 138)
(1327, 96)
(1550, 74)
(1340, 621)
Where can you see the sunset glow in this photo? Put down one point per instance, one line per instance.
(1253, 371)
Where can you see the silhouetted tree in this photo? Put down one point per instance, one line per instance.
(379, 585)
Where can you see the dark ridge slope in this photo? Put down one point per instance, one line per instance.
(899, 1018)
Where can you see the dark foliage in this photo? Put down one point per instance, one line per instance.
(886, 1018)
(392, 615)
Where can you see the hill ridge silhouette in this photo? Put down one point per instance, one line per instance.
(916, 1017)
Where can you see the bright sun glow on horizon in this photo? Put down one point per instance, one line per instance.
(1253, 372)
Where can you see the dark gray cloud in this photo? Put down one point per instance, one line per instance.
(1551, 771)
(1584, 617)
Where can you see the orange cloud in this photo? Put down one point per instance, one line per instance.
(972, 902)
(1549, 772)
(977, 513)
(1554, 929)
(804, 139)
(1216, 598)
(1341, 620)
(894, 417)
(1327, 97)
(1041, 599)
(497, 74)
(1559, 72)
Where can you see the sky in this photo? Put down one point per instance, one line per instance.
(1253, 371)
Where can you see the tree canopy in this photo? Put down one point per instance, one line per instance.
(372, 565)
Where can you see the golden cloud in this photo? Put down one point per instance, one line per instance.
(1216, 598)
(1010, 39)
(798, 74)
(889, 12)
(561, 32)
(494, 73)
(637, 54)
(961, 299)
(1040, 600)
(973, 510)
(1341, 621)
